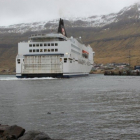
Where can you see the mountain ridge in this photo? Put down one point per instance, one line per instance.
(131, 13)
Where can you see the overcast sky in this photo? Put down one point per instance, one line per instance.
(25, 11)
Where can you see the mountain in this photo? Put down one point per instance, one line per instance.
(111, 36)
(127, 14)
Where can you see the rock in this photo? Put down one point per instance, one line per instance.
(13, 131)
(9, 137)
(35, 135)
(3, 128)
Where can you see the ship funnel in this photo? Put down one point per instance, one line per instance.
(61, 28)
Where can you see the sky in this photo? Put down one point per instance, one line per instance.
(26, 11)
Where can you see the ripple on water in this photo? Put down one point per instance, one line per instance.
(87, 108)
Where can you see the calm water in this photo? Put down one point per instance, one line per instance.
(96, 107)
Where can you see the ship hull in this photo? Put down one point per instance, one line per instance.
(57, 75)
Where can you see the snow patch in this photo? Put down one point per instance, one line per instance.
(92, 21)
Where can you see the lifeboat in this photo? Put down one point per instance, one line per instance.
(85, 53)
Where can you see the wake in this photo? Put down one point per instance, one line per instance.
(13, 78)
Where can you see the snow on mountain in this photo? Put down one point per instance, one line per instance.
(131, 12)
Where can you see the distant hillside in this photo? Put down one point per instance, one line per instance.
(111, 36)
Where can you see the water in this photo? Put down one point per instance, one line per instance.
(96, 107)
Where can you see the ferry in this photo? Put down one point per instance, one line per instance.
(53, 55)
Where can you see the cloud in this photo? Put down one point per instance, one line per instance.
(18, 11)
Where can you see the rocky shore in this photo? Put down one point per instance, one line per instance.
(18, 133)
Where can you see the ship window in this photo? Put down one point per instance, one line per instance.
(65, 60)
(33, 45)
(56, 50)
(18, 60)
(45, 44)
(30, 50)
(41, 50)
(23, 60)
(45, 50)
(30, 45)
(52, 44)
(49, 44)
(52, 50)
(70, 61)
(37, 50)
(56, 44)
(33, 50)
(48, 50)
(41, 45)
(37, 45)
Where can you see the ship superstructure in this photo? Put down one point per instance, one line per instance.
(53, 55)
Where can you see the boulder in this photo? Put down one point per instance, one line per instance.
(3, 128)
(13, 131)
(9, 137)
(35, 135)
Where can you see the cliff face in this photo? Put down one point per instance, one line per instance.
(111, 36)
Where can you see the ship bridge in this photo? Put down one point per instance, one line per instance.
(47, 37)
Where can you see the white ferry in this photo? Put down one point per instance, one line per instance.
(53, 55)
